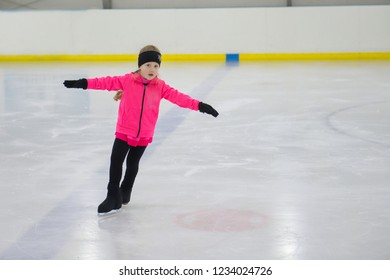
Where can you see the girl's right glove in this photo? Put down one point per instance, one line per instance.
(206, 108)
(82, 83)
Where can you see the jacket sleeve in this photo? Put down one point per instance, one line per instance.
(179, 98)
(106, 83)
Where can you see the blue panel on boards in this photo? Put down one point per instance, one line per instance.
(232, 58)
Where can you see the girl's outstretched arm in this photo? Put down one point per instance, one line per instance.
(186, 101)
(104, 83)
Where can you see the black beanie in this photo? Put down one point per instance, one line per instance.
(149, 56)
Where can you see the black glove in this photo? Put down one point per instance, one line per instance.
(82, 83)
(206, 108)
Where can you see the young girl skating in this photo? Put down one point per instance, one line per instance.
(140, 93)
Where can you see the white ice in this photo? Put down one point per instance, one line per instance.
(295, 167)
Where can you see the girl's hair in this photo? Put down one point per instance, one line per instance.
(118, 95)
(147, 48)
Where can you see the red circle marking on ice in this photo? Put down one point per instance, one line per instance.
(226, 220)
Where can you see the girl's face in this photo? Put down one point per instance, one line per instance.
(149, 70)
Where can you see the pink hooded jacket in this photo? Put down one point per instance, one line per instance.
(140, 103)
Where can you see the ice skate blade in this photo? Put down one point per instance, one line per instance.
(112, 212)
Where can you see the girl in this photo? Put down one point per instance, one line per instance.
(140, 93)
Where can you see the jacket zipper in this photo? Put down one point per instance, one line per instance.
(142, 110)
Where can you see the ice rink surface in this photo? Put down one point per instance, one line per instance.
(297, 165)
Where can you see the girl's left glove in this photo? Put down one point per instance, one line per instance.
(206, 108)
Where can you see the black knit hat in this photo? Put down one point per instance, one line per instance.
(149, 56)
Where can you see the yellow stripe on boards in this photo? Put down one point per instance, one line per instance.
(245, 57)
(107, 57)
(69, 58)
(314, 56)
(194, 57)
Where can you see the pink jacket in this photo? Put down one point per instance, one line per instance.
(140, 103)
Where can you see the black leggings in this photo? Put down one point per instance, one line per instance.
(118, 155)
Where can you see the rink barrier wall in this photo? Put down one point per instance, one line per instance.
(304, 33)
(244, 57)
